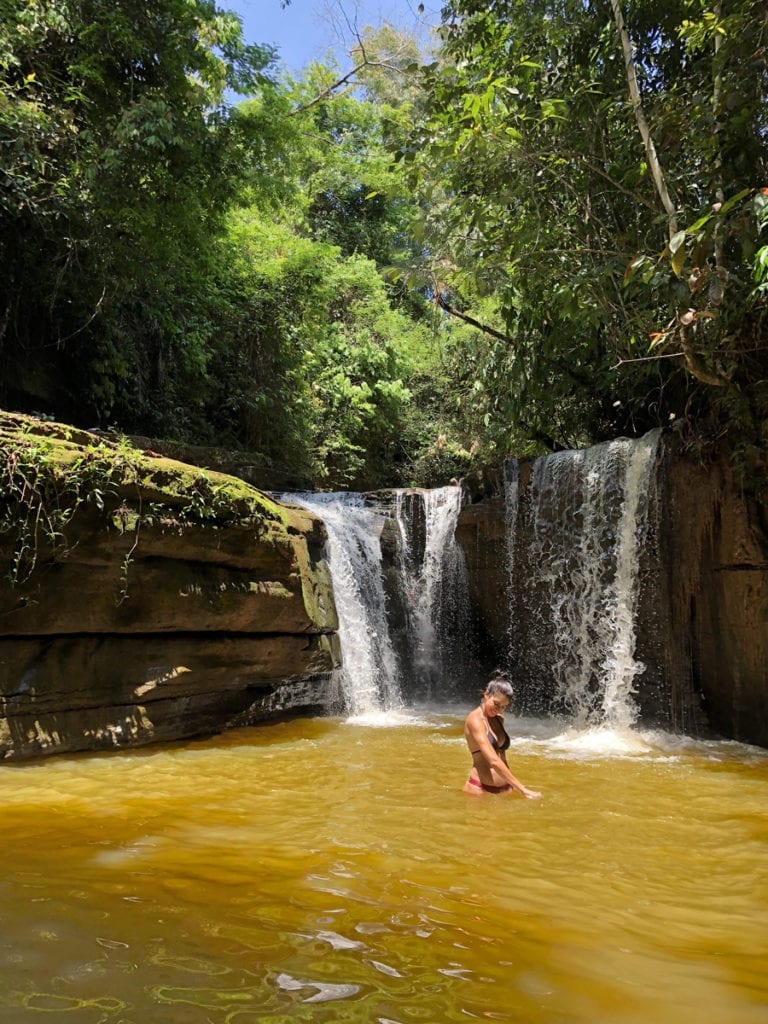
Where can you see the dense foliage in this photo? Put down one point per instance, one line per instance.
(598, 174)
(117, 170)
(551, 233)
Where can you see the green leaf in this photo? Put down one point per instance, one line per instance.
(698, 224)
(632, 267)
(730, 203)
(678, 261)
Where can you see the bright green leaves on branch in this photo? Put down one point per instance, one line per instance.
(569, 198)
(328, 352)
(118, 162)
(561, 184)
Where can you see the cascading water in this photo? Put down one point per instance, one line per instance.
(432, 589)
(621, 667)
(511, 503)
(436, 588)
(369, 676)
(574, 535)
(589, 512)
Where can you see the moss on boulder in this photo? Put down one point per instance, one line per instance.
(121, 567)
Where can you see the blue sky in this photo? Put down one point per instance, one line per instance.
(308, 29)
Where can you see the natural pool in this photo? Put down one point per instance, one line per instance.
(321, 870)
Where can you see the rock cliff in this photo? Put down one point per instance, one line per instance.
(146, 600)
(714, 548)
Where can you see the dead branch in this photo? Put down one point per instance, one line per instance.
(344, 80)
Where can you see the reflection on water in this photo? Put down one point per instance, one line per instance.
(330, 871)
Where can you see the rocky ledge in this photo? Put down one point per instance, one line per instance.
(143, 599)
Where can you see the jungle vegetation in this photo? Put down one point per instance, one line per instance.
(549, 231)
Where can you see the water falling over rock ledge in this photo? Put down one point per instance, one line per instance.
(625, 582)
(701, 606)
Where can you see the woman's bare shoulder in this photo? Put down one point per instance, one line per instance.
(474, 716)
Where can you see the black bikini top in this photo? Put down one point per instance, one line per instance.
(494, 740)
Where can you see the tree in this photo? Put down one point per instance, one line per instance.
(118, 167)
(625, 289)
(311, 373)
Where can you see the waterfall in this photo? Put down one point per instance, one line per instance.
(589, 510)
(369, 676)
(511, 503)
(621, 666)
(430, 585)
(575, 523)
(436, 588)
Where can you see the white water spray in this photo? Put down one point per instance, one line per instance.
(511, 502)
(436, 586)
(588, 563)
(620, 663)
(369, 674)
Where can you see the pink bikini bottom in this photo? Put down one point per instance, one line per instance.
(490, 789)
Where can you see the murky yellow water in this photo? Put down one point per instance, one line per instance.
(321, 871)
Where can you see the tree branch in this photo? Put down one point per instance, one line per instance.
(649, 359)
(650, 149)
(616, 184)
(365, 63)
(485, 328)
(694, 364)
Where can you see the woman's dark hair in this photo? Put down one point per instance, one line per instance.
(500, 684)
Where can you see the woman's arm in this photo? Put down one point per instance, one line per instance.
(480, 741)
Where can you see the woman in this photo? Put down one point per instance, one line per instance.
(487, 741)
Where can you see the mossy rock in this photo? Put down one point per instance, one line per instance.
(148, 562)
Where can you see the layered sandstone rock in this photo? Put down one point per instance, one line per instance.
(172, 603)
(714, 546)
(147, 600)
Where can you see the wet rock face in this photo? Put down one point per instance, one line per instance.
(715, 549)
(145, 624)
(702, 603)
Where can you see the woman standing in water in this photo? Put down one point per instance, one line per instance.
(488, 741)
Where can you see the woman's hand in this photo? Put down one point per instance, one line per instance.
(531, 794)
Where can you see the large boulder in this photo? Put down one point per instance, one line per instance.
(144, 599)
